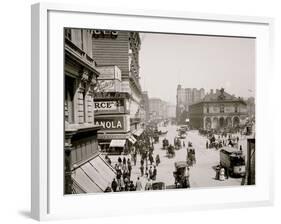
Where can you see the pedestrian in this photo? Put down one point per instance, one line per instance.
(116, 167)
(150, 172)
(157, 159)
(129, 166)
(135, 158)
(154, 173)
(207, 144)
(118, 177)
(222, 174)
(114, 185)
(151, 158)
(131, 186)
(122, 184)
(240, 148)
(141, 169)
(148, 185)
(187, 174)
(226, 173)
(146, 173)
(138, 185)
(193, 156)
(142, 162)
(119, 161)
(217, 177)
(124, 161)
(127, 184)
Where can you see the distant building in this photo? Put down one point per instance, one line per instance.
(251, 107)
(145, 103)
(218, 110)
(186, 97)
(155, 105)
(171, 111)
(158, 109)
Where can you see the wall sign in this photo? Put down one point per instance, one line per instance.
(106, 105)
(110, 123)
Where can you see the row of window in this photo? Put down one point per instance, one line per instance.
(222, 109)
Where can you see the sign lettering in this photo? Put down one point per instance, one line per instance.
(110, 123)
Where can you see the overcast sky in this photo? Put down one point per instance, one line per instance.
(167, 60)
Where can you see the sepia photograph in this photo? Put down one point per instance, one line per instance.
(157, 111)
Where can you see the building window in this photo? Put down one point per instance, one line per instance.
(68, 100)
(236, 109)
(208, 109)
(68, 33)
(84, 103)
(221, 108)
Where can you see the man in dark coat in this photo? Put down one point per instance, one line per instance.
(114, 185)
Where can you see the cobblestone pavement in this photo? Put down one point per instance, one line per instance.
(202, 174)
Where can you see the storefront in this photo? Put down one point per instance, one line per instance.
(114, 143)
(112, 115)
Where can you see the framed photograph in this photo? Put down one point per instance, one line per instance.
(160, 110)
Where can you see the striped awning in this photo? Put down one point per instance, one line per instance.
(117, 143)
(93, 176)
(138, 132)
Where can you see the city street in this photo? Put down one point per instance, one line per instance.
(202, 174)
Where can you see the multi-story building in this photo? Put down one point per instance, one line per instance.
(81, 152)
(251, 107)
(155, 105)
(158, 109)
(145, 99)
(121, 49)
(186, 97)
(218, 110)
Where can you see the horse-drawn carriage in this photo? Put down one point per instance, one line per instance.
(170, 151)
(181, 174)
(177, 143)
(165, 143)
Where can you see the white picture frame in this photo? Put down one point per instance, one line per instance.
(48, 201)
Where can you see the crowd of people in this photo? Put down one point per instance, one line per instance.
(144, 149)
(221, 141)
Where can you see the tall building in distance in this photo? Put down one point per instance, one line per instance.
(186, 97)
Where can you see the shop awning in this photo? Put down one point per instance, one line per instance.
(93, 176)
(117, 143)
(138, 132)
(132, 139)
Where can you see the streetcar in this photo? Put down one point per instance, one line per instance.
(233, 161)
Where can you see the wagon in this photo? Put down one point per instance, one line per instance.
(181, 174)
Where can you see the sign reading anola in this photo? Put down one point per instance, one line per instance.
(110, 123)
(105, 105)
